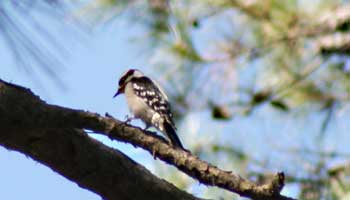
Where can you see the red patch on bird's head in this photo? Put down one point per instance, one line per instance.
(126, 77)
(124, 80)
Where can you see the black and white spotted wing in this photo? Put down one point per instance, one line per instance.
(152, 95)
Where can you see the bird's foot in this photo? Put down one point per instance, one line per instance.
(154, 154)
(128, 119)
(147, 127)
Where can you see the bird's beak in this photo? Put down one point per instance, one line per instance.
(116, 94)
(120, 90)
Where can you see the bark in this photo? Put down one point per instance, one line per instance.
(54, 136)
(26, 125)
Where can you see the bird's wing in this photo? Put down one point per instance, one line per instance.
(153, 95)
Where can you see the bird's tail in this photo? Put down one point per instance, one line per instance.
(171, 133)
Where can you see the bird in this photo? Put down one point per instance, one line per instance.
(147, 101)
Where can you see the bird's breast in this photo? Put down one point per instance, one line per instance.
(136, 105)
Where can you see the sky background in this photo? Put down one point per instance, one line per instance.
(92, 67)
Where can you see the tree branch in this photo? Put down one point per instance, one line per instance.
(335, 43)
(21, 110)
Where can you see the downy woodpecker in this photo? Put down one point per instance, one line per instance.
(148, 102)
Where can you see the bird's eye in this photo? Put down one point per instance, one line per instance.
(121, 81)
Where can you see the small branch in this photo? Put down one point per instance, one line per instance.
(184, 161)
(16, 102)
(334, 43)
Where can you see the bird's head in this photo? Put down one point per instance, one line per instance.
(127, 76)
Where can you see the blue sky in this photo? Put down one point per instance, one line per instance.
(90, 74)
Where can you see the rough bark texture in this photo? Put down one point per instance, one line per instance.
(53, 135)
(90, 164)
(28, 126)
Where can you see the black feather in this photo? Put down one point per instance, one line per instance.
(147, 90)
(171, 133)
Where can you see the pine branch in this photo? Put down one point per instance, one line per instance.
(24, 118)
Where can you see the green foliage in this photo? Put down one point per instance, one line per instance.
(289, 50)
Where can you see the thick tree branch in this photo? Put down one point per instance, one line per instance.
(90, 164)
(73, 154)
(16, 102)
